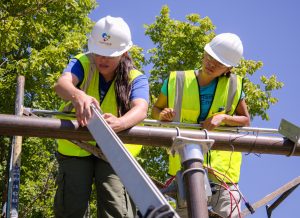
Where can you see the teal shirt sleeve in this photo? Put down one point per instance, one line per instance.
(243, 95)
(164, 88)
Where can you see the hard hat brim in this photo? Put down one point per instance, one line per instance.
(211, 52)
(103, 50)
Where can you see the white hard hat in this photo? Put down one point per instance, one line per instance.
(227, 48)
(110, 37)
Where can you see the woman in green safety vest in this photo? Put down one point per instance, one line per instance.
(105, 77)
(212, 95)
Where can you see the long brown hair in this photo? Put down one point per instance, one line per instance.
(122, 84)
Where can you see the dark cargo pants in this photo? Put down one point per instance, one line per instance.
(74, 185)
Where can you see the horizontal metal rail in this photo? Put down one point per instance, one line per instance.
(236, 129)
(149, 122)
(152, 136)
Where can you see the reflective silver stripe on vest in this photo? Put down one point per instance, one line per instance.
(180, 77)
(231, 92)
(91, 72)
(85, 85)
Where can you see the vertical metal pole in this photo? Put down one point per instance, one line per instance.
(191, 153)
(12, 202)
(195, 191)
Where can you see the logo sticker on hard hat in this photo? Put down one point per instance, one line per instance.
(105, 37)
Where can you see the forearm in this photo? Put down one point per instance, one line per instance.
(236, 120)
(155, 112)
(66, 90)
(134, 116)
(241, 116)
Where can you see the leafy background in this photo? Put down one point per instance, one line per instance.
(38, 38)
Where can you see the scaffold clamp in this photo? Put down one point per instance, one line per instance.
(189, 148)
(292, 132)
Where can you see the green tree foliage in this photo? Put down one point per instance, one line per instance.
(179, 45)
(36, 40)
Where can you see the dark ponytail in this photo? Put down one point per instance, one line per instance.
(122, 84)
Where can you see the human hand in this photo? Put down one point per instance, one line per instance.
(82, 103)
(214, 121)
(167, 114)
(116, 123)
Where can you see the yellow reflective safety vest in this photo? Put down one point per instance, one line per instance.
(90, 85)
(184, 98)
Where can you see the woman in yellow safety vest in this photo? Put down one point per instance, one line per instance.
(212, 95)
(105, 77)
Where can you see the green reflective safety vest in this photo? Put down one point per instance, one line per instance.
(184, 97)
(90, 85)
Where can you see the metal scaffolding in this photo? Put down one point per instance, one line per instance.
(248, 142)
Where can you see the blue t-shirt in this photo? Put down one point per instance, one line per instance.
(206, 97)
(140, 86)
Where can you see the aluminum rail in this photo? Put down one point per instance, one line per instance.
(152, 136)
(219, 128)
(141, 189)
(149, 122)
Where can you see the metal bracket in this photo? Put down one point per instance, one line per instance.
(189, 148)
(292, 132)
(181, 196)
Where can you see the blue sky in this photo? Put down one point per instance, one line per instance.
(270, 32)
